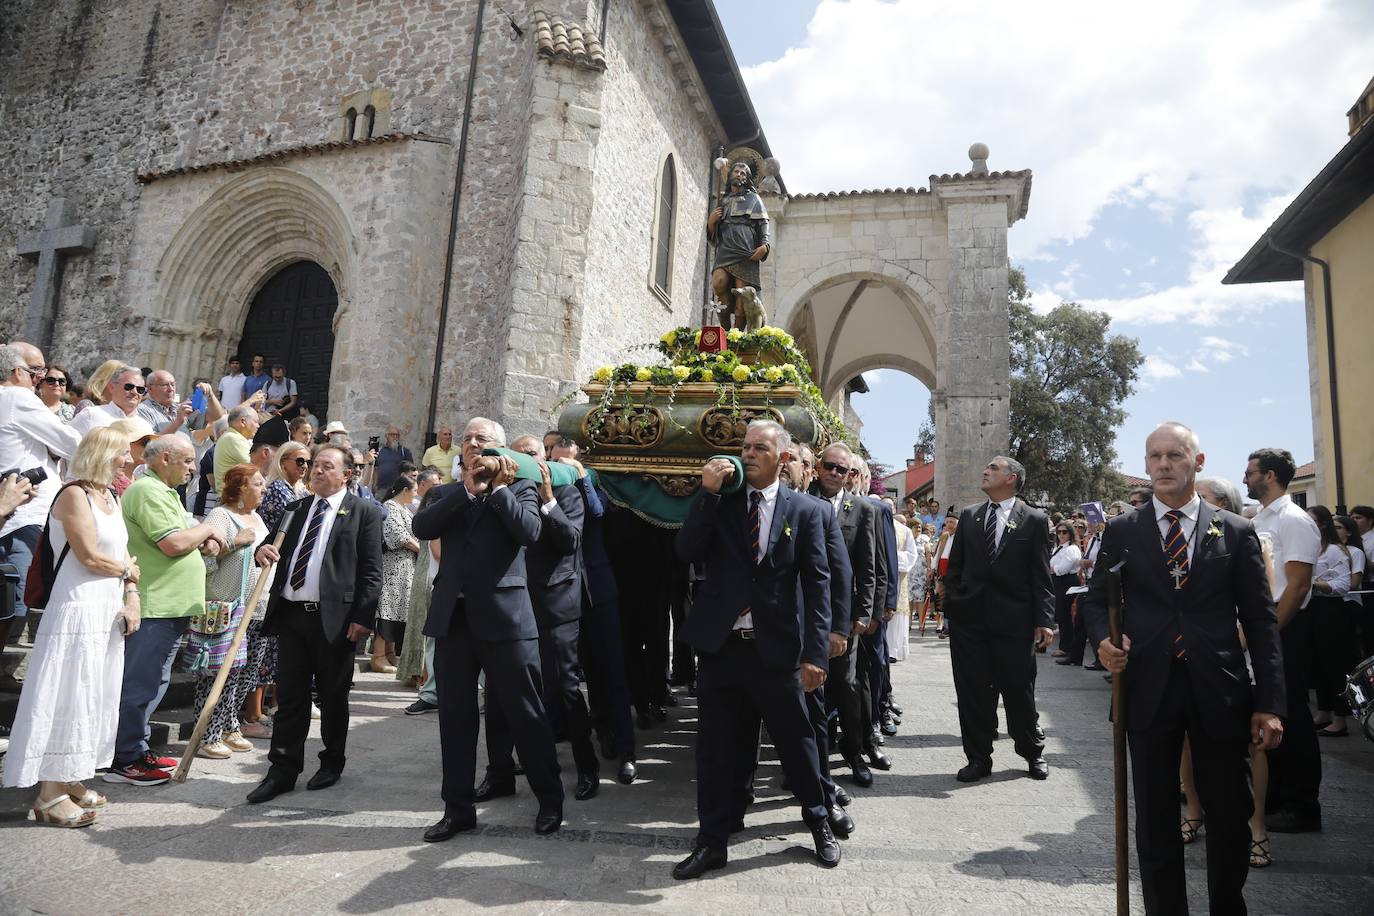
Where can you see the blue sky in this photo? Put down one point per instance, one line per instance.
(1160, 154)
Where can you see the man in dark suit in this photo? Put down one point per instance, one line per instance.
(481, 619)
(857, 518)
(1000, 603)
(323, 600)
(1190, 572)
(554, 569)
(761, 628)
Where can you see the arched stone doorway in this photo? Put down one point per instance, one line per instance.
(291, 321)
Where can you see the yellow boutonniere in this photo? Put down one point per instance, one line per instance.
(849, 504)
(341, 513)
(1213, 531)
(1011, 526)
(786, 528)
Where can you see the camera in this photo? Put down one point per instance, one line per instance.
(374, 443)
(35, 475)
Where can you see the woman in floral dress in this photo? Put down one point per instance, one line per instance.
(399, 549)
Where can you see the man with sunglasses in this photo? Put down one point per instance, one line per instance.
(123, 394)
(31, 436)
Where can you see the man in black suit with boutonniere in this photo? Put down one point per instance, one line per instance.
(1000, 604)
(1190, 573)
(760, 624)
(324, 599)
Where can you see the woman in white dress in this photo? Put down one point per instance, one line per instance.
(899, 627)
(64, 728)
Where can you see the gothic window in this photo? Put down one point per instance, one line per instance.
(350, 123)
(665, 218)
(370, 116)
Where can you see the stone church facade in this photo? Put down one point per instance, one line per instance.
(511, 193)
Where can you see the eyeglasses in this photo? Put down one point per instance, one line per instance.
(303, 462)
(36, 371)
(836, 468)
(55, 382)
(477, 439)
(130, 386)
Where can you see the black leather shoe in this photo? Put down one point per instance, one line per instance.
(1038, 768)
(862, 775)
(896, 710)
(322, 780)
(842, 797)
(549, 819)
(974, 772)
(889, 726)
(1066, 661)
(878, 738)
(878, 759)
(702, 860)
(1093, 667)
(840, 822)
(270, 787)
(642, 719)
(628, 771)
(448, 826)
(670, 700)
(827, 847)
(489, 789)
(658, 712)
(587, 785)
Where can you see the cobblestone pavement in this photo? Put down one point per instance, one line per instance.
(924, 843)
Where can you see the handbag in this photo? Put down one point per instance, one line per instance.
(212, 632)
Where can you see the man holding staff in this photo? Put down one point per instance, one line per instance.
(324, 599)
(1191, 572)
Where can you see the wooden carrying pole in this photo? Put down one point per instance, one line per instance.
(221, 676)
(1123, 860)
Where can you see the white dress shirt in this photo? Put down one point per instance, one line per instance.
(1292, 537)
(30, 436)
(1357, 565)
(1367, 539)
(1003, 510)
(1334, 568)
(95, 417)
(310, 591)
(1188, 522)
(1090, 553)
(766, 506)
(1064, 560)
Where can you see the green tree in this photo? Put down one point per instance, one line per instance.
(1069, 377)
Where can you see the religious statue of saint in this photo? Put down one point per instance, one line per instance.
(739, 229)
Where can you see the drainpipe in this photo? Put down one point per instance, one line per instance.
(1338, 464)
(430, 436)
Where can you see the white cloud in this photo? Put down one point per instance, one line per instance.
(1197, 365)
(1157, 367)
(1189, 116)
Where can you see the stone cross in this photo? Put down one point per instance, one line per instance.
(49, 247)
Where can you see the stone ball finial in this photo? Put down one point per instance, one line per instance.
(978, 154)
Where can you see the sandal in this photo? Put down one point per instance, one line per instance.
(1259, 854)
(89, 799)
(43, 814)
(1191, 827)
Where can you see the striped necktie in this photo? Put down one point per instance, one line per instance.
(755, 520)
(1176, 552)
(312, 534)
(990, 530)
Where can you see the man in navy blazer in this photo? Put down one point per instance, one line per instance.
(481, 619)
(761, 627)
(1190, 574)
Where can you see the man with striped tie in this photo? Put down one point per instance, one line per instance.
(999, 600)
(324, 599)
(1190, 573)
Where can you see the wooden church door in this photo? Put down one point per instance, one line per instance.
(291, 321)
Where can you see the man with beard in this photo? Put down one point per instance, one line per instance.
(740, 231)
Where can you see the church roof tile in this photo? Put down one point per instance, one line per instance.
(233, 165)
(1024, 174)
(567, 42)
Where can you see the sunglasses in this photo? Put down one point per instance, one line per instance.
(55, 382)
(837, 468)
(303, 462)
(130, 386)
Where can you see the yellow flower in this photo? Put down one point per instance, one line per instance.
(643, 375)
(741, 374)
(698, 338)
(786, 339)
(773, 373)
(681, 372)
(669, 339)
(602, 374)
(733, 334)
(706, 376)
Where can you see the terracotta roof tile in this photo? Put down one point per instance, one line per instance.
(567, 42)
(1024, 174)
(234, 165)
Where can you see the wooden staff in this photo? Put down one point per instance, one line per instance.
(1123, 860)
(222, 676)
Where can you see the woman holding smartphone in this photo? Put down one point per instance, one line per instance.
(64, 728)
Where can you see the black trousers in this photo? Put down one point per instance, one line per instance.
(638, 552)
(304, 657)
(749, 745)
(557, 658)
(1221, 772)
(987, 663)
(1333, 638)
(513, 687)
(1295, 766)
(873, 674)
(603, 662)
(843, 697)
(1063, 616)
(729, 682)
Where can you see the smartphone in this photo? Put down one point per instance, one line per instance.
(198, 401)
(374, 443)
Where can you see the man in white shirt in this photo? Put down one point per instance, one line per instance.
(31, 436)
(1295, 767)
(122, 397)
(231, 385)
(281, 393)
(1364, 521)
